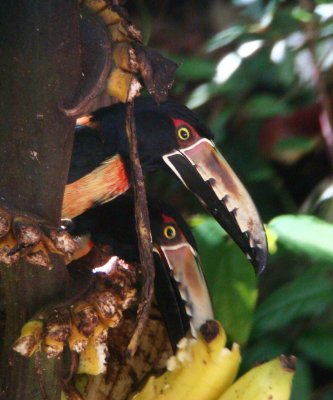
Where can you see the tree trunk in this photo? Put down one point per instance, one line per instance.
(39, 70)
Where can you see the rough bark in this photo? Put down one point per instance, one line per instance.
(39, 70)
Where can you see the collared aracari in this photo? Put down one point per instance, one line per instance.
(169, 134)
(180, 287)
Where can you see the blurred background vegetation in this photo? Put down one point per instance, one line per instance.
(260, 74)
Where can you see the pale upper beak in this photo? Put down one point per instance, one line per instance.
(205, 172)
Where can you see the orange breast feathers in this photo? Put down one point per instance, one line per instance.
(101, 185)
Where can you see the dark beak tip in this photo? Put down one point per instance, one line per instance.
(260, 267)
(252, 242)
(259, 259)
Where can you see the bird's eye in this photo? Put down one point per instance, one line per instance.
(169, 232)
(183, 133)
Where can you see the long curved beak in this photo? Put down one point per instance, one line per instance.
(183, 266)
(207, 174)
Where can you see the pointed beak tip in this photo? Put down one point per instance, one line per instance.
(259, 258)
(205, 173)
(260, 267)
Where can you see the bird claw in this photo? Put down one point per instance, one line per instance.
(29, 237)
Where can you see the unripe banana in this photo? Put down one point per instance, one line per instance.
(271, 380)
(196, 361)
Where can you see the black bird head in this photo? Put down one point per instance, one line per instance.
(180, 287)
(169, 134)
(155, 128)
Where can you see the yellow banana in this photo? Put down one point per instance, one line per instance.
(96, 5)
(125, 58)
(110, 16)
(119, 32)
(119, 84)
(271, 380)
(77, 341)
(218, 375)
(30, 338)
(52, 347)
(93, 358)
(196, 362)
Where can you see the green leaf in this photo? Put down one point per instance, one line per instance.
(323, 1)
(195, 69)
(305, 235)
(230, 278)
(201, 95)
(225, 37)
(307, 296)
(267, 16)
(302, 15)
(267, 348)
(292, 148)
(318, 346)
(302, 382)
(296, 143)
(264, 106)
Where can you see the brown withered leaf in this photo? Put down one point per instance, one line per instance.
(158, 73)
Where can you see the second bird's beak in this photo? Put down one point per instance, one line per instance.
(205, 172)
(184, 269)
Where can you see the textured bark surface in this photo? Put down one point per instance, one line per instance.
(142, 229)
(39, 69)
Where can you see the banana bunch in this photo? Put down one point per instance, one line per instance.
(122, 33)
(32, 239)
(132, 61)
(204, 369)
(83, 324)
(201, 369)
(124, 374)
